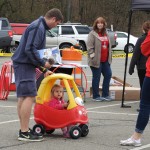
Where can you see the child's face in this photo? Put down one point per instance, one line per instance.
(58, 93)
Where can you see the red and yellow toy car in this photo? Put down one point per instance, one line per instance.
(48, 119)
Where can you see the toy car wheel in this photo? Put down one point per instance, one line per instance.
(84, 130)
(75, 132)
(50, 131)
(39, 129)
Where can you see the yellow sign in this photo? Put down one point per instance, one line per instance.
(6, 54)
(121, 55)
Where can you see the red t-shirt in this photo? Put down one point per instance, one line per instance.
(145, 49)
(104, 47)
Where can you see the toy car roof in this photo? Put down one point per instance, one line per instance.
(48, 82)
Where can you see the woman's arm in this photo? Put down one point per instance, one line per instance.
(90, 45)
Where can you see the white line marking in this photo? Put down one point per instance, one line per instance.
(142, 147)
(12, 95)
(112, 113)
(10, 121)
(8, 106)
(110, 105)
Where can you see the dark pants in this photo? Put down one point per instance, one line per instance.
(105, 69)
(144, 112)
(141, 75)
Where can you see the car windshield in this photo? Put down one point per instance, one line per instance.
(55, 29)
(51, 33)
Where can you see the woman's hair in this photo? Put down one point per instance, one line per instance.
(146, 26)
(100, 20)
(56, 86)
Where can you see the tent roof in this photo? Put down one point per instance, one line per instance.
(141, 5)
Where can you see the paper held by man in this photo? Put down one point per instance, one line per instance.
(51, 53)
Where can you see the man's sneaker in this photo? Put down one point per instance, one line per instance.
(98, 99)
(29, 136)
(38, 134)
(131, 142)
(107, 98)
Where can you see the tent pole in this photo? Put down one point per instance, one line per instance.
(126, 60)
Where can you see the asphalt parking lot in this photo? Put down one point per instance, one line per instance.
(108, 122)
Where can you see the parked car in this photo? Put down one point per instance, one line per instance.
(52, 40)
(5, 34)
(122, 41)
(75, 30)
(18, 28)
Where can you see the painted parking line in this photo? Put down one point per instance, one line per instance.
(11, 121)
(142, 147)
(111, 105)
(112, 113)
(8, 106)
(12, 95)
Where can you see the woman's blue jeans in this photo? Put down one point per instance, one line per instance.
(144, 112)
(105, 70)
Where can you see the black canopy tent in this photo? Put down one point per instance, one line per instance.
(140, 5)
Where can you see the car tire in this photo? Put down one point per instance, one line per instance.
(130, 48)
(12, 49)
(63, 46)
(82, 45)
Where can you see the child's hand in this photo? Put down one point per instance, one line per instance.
(65, 105)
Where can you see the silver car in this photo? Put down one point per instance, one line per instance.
(52, 40)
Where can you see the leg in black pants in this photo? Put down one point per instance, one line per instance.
(141, 75)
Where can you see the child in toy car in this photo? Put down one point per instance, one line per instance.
(48, 119)
(57, 102)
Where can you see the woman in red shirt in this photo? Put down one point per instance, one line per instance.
(99, 59)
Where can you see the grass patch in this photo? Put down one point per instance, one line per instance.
(118, 52)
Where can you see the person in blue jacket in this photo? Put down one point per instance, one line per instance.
(25, 60)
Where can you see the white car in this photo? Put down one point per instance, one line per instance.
(122, 41)
(76, 30)
(52, 40)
